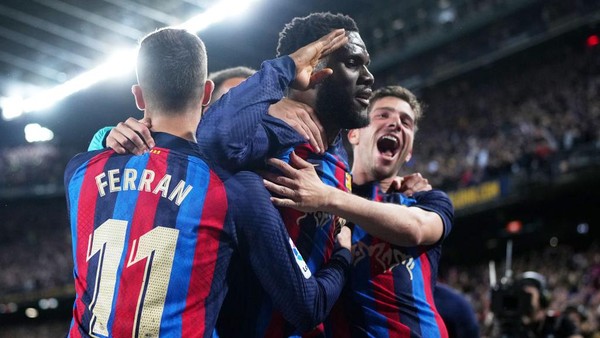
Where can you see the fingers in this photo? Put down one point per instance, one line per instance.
(141, 128)
(344, 237)
(396, 183)
(312, 127)
(303, 119)
(130, 136)
(278, 179)
(279, 189)
(146, 121)
(282, 202)
(319, 76)
(298, 162)
(414, 183)
(285, 168)
(307, 57)
(331, 42)
(121, 144)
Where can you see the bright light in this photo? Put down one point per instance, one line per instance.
(217, 13)
(36, 133)
(12, 107)
(118, 64)
(592, 40)
(583, 228)
(31, 312)
(50, 303)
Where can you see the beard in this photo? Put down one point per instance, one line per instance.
(336, 107)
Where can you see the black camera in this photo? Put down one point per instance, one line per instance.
(509, 301)
(509, 304)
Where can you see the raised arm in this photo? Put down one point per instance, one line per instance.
(237, 130)
(303, 299)
(300, 188)
(250, 123)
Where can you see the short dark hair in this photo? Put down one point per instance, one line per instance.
(401, 93)
(304, 30)
(171, 69)
(223, 75)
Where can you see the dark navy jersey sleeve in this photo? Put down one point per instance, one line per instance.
(437, 201)
(457, 312)
(236, 130)
(304, 299)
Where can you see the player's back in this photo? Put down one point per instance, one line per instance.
(150, 240)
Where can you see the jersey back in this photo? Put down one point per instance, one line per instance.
(150, 242)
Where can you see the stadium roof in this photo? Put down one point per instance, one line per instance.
(48, 42)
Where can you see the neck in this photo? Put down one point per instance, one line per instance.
(181, 125)
(331, 133)
(361, 176)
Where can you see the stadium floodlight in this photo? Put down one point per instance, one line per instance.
(36, 133)
(117, 65)
(215, 14)
(12, 107)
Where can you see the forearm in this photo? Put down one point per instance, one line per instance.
(233, 129)
(99, 139)
(304, 299)
(397, 224)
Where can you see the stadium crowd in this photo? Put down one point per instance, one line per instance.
(573, 281)
(530, 118)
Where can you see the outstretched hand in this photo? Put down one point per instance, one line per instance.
(132, 136)
(298, 186)
(307, 58)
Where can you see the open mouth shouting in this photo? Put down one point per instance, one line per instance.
(388, 145)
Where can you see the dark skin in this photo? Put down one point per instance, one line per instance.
(341, 100)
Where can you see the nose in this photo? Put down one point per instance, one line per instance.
(366, 76)
(394, 123)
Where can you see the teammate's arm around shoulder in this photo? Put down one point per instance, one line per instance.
(301, 188)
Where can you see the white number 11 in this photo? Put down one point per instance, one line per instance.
(158, 247)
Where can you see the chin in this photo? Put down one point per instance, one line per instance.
(356, 120)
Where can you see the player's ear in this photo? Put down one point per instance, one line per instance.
(408, 156)
(139, 97)
(353, 136)
(209, 86)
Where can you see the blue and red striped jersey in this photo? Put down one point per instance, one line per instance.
(314, 237)
(150, 243)
(155, 238)
(391, 287)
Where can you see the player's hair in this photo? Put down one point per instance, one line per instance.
(171, 69)
(401, 93)
(304, 30)
(225, 74)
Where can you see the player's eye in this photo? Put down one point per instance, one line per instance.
(352, 63)
(382, 116)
